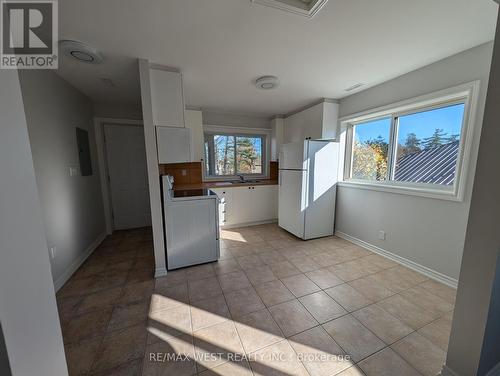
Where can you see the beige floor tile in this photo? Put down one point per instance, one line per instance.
(173, 277)
(324, 278)
(128, 315)
(380, 261)
(135, 276)
(80, 356)
(387, 327)
(391, 280)
(241, 302)
(353, 371)
(225, 254)
(236, 368)
(136, 292)
(371, 289)
(443, 291)
(347, 271)
(411, 314)
(258, 330)
(273, 293)
(250, 261)
(319, 353)
(291, 253)
(133, 368)
(260, 274)
(299, 285)
(172, 322)
(422, 354)
(208, 312)
(438, 332)
(200, 289)
(233, 281)
(425, 299)
(305, 264)
(119, 347)
(100, 300)
(358, 251)
(348, 297)
(355, 339)
(272, 257)
(87, 325)
(218, 339)
(292, 317)
(325, 259)
(322, 306)
(67, 307)
(156, 361)
(387, 363)
(169, 297)
(410, 275)
(278, 359)
(284, 269)
(226, 266)
(366, 266)
(199, 272)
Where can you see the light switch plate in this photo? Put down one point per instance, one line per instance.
(381, 235)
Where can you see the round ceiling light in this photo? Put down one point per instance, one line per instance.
(80, 51)
(267, 82)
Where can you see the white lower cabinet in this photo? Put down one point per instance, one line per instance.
(244, 205)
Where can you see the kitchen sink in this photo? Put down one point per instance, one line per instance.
(245, 182)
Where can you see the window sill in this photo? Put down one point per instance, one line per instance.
(438, 194)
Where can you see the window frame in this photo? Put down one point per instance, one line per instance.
(467, 94)
(211, 130)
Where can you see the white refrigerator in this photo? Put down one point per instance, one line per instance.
(308, 175)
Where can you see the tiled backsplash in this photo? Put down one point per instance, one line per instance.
(190, 173)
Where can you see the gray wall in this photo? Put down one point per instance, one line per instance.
(132, 111)
(28, 311)
(72, 206)
(474, 341)
(235, 120)
(429, 232)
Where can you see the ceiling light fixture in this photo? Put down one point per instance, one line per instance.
(80, 51)
(306, 8)
(266, 82)
(354, 87)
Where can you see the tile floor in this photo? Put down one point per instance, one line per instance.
(272, 305)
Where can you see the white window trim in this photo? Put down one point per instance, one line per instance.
(468, 92)
(219, 129)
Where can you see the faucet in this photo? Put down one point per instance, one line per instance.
(242, 177)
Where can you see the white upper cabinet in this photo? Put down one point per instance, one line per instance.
(173, 145)
(194, 121)
(167, 98)
(318, 122)
(277, 137)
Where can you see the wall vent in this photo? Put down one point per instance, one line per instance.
(306, 8)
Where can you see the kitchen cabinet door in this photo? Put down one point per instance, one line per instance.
(167, 98)
(173, 145)
(265, 203)
(224, 205)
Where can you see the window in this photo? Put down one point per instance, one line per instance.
(419, 145)
(229, 155)
(370, 150)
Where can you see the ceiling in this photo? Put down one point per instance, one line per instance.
(221, 46)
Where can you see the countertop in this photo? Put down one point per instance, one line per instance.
(223, 184)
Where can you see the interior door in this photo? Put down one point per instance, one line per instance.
(292, 201)
(128, 179)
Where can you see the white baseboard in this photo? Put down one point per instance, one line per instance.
(495, 371)
(160, 272)
(59, 282)
(428, 272)
(248, 224)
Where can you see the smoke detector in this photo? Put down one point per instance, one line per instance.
(267, 82)
(80, 51)
(306, 8)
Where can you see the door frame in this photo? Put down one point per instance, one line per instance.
(102, 161)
